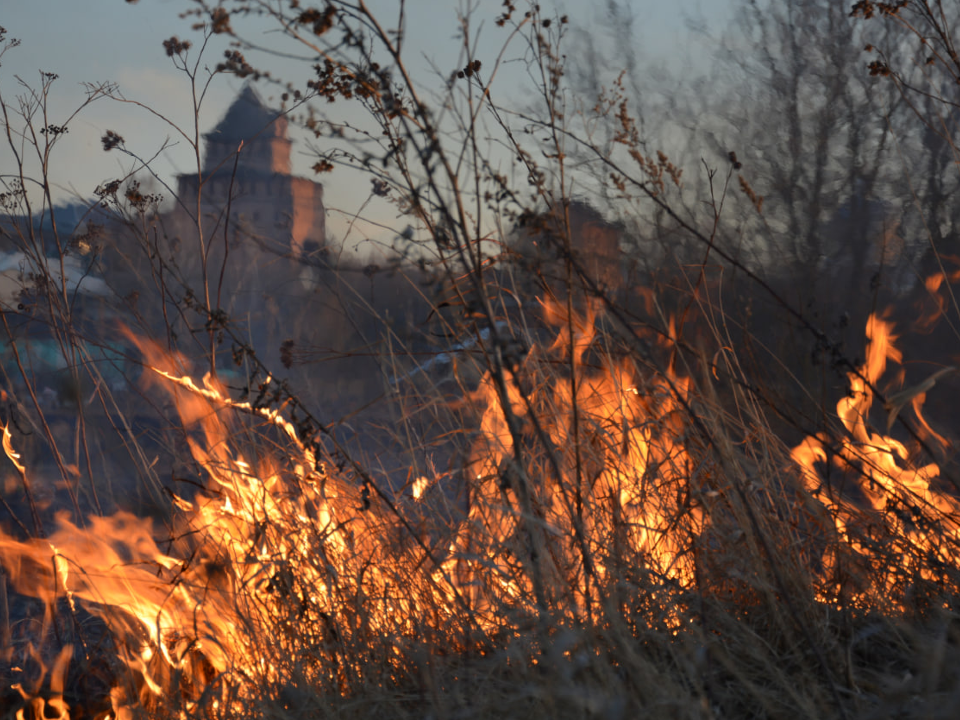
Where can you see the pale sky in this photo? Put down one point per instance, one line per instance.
(111, 40)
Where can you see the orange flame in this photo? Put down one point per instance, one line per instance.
(37, 706)
(582, 473)
(935, 297)
(608, 478)
(542, 529)
(885, 477)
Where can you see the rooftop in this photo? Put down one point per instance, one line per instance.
(246, 118)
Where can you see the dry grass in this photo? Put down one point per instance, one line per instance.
(612, 516)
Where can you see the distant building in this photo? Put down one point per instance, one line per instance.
(93, 264)
(594, 244)
(247, 162)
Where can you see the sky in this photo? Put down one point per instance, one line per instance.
(92, 41)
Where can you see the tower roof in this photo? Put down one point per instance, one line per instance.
(246, 118)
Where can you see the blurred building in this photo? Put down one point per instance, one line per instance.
(594, 245)
(246, 167)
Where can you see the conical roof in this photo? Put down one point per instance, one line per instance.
(245, 118)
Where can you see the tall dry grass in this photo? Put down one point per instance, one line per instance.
(566, 497)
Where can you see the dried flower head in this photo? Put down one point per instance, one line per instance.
(176, 46)
(320, 22)
(220, 21)
(111, 140)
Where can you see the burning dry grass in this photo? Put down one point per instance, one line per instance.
(628, 547)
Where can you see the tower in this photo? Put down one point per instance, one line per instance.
(246, 167)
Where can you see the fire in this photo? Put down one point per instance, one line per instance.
(586, 474)
(578, 475)
(37, 707)
(939, 294)
(900, 500)
(266, 548)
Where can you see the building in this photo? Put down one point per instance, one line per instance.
(246, 167)
(594, 245)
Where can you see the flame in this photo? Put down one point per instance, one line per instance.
(610, 481)
(262, 537)
(277, 544)
(12, 454)
(420, 486)
(585, 474)
(901, 500)
(39, 707)
(939, 296)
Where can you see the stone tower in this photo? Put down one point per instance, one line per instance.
(246, 166)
